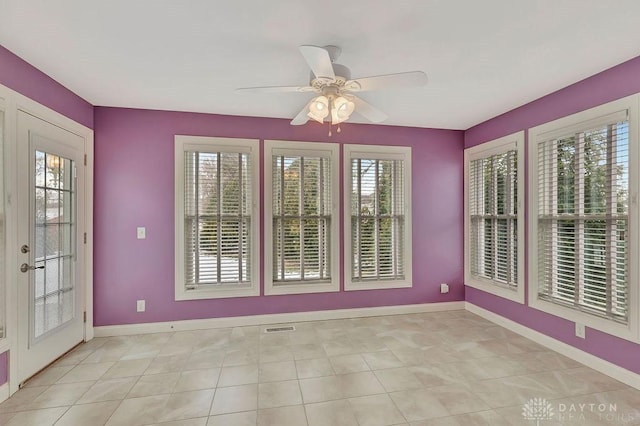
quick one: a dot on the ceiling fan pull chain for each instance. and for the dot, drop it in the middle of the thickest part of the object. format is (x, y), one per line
(329, 129)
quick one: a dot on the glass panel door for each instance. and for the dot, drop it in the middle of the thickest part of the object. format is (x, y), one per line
(54, 247)
(50, 287)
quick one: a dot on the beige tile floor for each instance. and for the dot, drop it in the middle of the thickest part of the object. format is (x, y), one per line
(446, 368)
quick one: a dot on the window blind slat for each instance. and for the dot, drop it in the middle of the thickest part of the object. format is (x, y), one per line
(377, 219)
(493, 208)
(301, 217)
(583, 181)
(217, 215)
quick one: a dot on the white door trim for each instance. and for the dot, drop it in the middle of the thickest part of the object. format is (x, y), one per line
(15, 102)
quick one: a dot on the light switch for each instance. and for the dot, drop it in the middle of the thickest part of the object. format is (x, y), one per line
(142, 232)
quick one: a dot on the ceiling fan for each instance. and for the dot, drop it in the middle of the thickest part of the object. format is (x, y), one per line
(332, 82)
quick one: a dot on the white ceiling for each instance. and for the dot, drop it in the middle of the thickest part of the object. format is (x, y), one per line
(483, 58)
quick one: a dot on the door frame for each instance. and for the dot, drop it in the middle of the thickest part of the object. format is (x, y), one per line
(14, 102)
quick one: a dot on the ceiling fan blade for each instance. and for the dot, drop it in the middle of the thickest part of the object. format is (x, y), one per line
(319, 61)
(389, 81)
(367, 110)
(302, 116)
(277, 89)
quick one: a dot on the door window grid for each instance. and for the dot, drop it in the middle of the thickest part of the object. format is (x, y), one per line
(377, 220)
(217, 219)
(493, 201)
(301, 219)
(583, 220)
(53, 298)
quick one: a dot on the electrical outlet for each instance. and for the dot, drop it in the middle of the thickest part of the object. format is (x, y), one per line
(142, 232)
(444, 288)
(580, 330)
(140, 306)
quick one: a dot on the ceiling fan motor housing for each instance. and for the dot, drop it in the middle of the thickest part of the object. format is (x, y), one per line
(343, 74)
(333, 51)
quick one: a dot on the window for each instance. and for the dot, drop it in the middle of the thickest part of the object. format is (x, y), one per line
(301, 221)
(582, 217)
(494, 219)
(377, 217)
(217, 218)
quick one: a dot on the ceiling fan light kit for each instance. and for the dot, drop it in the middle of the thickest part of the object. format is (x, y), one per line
(333, 85)
(318, 108)
(342, 109)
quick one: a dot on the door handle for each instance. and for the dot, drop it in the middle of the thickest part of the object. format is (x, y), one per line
(24, 267)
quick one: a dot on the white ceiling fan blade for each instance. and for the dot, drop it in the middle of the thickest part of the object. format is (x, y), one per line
(389, 81)
(277, 89)
(319, 61)
(302, 116)
(367, 110)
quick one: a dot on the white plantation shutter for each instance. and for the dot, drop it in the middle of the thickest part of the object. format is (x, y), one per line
(302, 208)
(583, 217)
(377, 219)
(493, 218)
(217, 218)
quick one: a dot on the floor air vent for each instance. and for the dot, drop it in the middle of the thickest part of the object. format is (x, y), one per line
(279, 329)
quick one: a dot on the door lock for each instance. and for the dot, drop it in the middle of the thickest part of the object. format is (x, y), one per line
(25, 249)
(24, 267)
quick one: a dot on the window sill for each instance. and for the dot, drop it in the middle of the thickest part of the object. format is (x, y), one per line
(376, 285)
(217, 293)
(624, 331)
(298, 288)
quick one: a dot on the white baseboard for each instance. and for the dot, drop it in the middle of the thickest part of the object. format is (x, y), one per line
(200, 324)
(4, 392)
(621, 374)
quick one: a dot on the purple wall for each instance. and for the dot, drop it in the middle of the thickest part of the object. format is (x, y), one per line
(615, 83)
(20, 76)
(134, 181)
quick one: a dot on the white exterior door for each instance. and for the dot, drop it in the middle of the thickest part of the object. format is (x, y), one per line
(50, 292)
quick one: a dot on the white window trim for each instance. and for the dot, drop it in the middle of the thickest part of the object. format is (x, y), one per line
(5, 279)
(382, 153)
(487, 149)
(211, 144)
(301, 148)
(629, 331)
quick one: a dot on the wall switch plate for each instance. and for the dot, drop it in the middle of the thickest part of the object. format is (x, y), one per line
(142, 232)
(140, 306)
(444, 288)
(580, 330)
